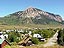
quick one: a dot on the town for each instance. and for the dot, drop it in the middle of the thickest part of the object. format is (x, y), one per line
(25, 37)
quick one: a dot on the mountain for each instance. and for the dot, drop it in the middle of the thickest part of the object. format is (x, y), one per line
(31, 16)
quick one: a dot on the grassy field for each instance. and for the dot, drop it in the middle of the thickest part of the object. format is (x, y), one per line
(2, 27)
(56, 46)
(36, 46)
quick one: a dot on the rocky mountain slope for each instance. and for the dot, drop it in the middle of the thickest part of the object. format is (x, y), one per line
(32, 16)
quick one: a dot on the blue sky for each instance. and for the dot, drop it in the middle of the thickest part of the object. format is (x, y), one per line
(11, 6)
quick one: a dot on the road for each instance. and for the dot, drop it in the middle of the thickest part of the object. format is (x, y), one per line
(52, 41)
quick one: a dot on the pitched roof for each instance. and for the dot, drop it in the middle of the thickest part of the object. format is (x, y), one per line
(1, 41)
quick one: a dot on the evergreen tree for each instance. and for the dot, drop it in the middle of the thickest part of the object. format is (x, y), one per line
(61, 37)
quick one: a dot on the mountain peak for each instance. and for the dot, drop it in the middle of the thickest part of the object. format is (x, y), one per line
(30, 9)
(37, 15)
(31, 12)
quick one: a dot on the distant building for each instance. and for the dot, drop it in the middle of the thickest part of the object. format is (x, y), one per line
(20, 31)
(6, 35)
(30, 33)
(37, 35)
(9, 30)
(1, 36)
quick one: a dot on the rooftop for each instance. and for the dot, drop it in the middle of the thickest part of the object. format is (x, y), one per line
(1, 41)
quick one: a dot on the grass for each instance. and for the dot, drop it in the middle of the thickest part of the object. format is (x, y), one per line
(40, 45)
(35, 46)
(4, 27)
(55, 46)
(41, 42)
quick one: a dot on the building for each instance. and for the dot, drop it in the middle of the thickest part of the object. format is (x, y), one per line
(9, 30)
(3, 43)
(37, 35)
(1, 36)
(6, 36)
(30, 33)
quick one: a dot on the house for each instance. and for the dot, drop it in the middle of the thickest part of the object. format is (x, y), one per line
(18, 30)
(39, 37)
(1, 35)
(35, 28)
(9, 30)
(30, 33)
(3, 43)
(6, 35)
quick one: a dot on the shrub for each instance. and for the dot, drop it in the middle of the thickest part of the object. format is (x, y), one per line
(35, 40)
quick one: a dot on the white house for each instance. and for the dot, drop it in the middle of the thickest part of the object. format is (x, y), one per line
(35, 28)
(9, 30)
(20, 30)
(30, 33)
(37, 35)
(1, 35)
(6, 35)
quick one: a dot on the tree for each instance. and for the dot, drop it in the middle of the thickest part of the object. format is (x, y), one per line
(13, 37)
(60, 37)
(35, 40)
